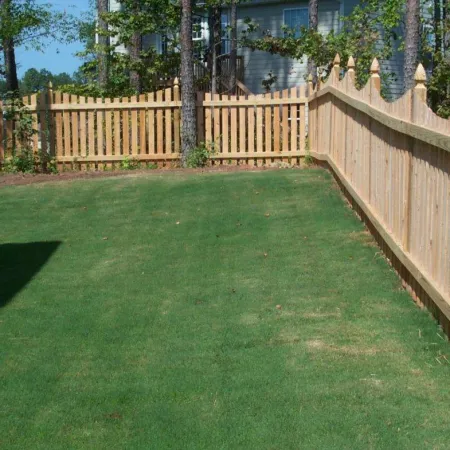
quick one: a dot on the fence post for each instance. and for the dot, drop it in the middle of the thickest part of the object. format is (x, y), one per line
(417, 96)
(50, 124)
(375, 87)
(351, 72)
(334, 82)
(336, 69)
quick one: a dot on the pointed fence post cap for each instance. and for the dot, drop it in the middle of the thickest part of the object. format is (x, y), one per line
(50, 85)
(375, 67)
(351, 63)
(337, 60)
(176, 82)
(420, 76)
(310, 78)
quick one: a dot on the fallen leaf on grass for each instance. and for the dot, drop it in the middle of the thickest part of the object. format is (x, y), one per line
(105, 238)
(265, 255)
(267, 214)
(178, 223)
(278, 307)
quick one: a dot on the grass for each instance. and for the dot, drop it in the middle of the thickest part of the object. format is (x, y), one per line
(167, 333)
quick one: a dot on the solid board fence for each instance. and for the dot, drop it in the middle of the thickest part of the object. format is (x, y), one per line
(393, 161)
(94, 134)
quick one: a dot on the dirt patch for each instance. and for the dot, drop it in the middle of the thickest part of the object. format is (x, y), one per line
(318, 345)
(22, 179)
(364, 237)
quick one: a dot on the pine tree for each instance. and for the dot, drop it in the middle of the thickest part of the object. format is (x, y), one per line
(188, 113)
(103, 43)
(412, 42)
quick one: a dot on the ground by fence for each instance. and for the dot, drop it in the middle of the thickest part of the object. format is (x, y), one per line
(393, 160)
(93, 134)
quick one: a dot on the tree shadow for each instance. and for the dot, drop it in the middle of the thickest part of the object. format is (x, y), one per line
(19, 263)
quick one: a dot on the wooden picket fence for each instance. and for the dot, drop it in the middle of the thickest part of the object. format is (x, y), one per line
(393, 161)
(96, 134)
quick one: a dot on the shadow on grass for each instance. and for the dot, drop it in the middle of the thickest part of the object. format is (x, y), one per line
(19, 263)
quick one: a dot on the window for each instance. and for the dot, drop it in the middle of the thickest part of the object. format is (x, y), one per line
(226, 46)
(197, 29)
(296, 18)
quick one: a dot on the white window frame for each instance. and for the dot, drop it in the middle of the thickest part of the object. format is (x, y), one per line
(295, 9)
(203, 30)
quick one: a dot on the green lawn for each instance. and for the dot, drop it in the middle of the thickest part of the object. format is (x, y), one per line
(167, 333)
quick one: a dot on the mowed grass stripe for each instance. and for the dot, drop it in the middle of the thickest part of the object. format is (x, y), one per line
(153, 321)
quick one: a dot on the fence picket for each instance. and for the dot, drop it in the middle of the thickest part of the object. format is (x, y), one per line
(242, 129)
(117, 131)
(83, 152)
(74, 124)
(151, 127)
(66, 128)
(108, 133)
(259, 132)
(268, 125)
(126, 150)
(142, 127)
(234, 129)
(216, 112)
(251, 131)
(294, 123)
(91, 133)
(134, 128)
(159, 125)
(169, 122)
(225, 130)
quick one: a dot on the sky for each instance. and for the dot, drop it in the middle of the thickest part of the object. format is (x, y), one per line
(56, 57)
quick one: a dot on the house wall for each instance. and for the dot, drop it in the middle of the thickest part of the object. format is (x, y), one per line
(258, 64)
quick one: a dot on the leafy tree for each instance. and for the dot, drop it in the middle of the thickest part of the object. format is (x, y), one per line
(35, 81)
(31, 24)
(436, 57)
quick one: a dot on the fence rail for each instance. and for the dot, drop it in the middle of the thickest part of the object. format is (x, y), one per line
(95, 133)
(393, 160)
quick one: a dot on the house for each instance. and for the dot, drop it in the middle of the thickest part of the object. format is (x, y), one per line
(271, 15)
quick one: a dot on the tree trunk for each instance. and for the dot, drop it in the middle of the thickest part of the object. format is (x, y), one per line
(188, 113)
(412, 41)
(438, 25)
(313, 10)
(103, 42)
(134, 49)
(9, 54)
(233, 49)
(215, 43)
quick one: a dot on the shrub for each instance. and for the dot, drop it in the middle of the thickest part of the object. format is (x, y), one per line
(200, 155)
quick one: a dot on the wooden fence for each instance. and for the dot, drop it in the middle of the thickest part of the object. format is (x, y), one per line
(95, 134)
(393, 161)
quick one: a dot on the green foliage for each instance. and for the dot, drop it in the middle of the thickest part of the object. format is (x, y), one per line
(24, 161)
(130, 163)
(436, 58)
(200, 155)
(22, 158)
(269, 81)
(28, 22)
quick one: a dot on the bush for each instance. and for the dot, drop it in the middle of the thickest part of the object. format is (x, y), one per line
(200, 155)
